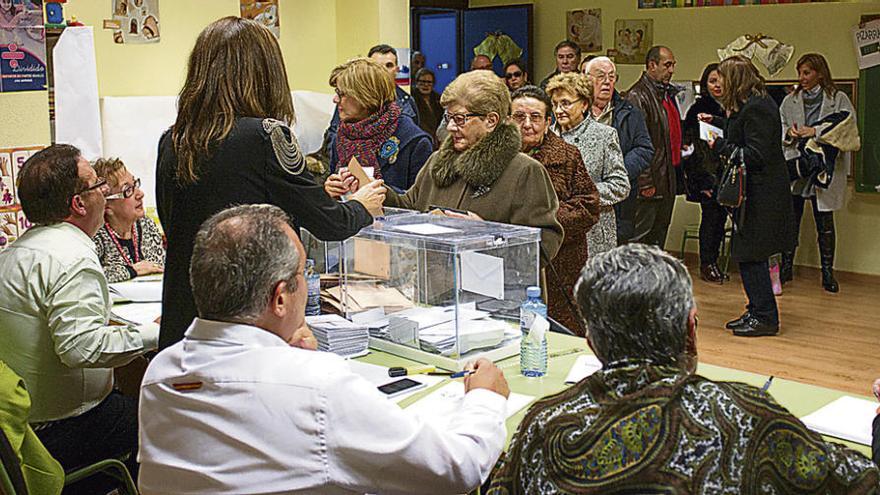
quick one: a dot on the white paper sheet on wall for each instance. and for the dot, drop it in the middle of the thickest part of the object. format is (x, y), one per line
(77, 114)
(132, 127)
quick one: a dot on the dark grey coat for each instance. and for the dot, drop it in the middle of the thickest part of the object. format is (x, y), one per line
(765, 219)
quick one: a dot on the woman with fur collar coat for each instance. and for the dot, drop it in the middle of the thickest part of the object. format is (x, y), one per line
(479, 167)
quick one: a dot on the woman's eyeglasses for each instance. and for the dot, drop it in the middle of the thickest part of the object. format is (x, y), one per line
(521, 117)
(511, 75)
(427, 82)
(460, 119)
(127, 190)
(565, 104)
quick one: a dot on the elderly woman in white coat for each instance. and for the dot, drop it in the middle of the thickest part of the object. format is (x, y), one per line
(816, 98)
(572, 97)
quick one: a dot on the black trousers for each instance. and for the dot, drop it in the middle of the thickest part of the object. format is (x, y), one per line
(712, 219)
(759, 291)
(652, 220)
(109, 429)
(821, 218)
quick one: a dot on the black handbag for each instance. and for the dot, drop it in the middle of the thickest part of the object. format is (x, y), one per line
(732, 186)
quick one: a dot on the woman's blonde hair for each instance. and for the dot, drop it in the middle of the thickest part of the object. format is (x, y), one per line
(818, 63)
(235, 70)
(110, 169)
(575, 82)
(480, 91)
(366, 81)
(740, 81)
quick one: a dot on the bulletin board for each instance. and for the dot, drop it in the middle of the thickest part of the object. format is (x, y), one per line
(12, 220)
(867, 163)
(506, 32)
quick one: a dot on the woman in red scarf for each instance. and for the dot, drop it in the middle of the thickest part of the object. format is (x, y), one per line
(372, 128)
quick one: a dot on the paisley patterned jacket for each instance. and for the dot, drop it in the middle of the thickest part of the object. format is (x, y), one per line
(635, 427)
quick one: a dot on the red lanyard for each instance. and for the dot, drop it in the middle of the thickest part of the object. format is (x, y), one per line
(134, 240)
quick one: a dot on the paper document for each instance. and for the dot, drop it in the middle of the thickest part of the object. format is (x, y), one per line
(426, 229)
(709, 132)
(847, 418)
(583, 367)
(378, 375)
(136, 313)
(135, 291)
(441, 405)
(482, 274)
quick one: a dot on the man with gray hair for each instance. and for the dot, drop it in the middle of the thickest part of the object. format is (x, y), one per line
(245, 404)
(610, 108)
(646, 423)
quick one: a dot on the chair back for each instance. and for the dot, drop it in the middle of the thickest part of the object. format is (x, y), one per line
(11, 477)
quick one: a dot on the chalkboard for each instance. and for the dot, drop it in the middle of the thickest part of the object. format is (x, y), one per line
(867, 173)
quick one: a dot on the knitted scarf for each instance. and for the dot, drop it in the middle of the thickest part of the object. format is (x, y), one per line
(363, 139)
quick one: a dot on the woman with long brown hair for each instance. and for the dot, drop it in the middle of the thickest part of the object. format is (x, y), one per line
(763, 224)
(231, 144)
(817, 111)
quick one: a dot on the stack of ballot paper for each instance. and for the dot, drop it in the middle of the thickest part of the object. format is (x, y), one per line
(337, 335)
(362, 296)
(139, 290)
(847, 418)
(472, 334)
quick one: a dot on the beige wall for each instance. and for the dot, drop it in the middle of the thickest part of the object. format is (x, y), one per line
(694, 34)
(315, 36)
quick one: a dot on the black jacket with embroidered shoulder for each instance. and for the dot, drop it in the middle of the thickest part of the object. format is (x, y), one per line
(259, 162)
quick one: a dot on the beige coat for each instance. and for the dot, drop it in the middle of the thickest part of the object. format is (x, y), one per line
(492, 179)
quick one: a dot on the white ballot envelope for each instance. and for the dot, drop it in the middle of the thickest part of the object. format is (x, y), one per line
(482, 274)
(709, 132)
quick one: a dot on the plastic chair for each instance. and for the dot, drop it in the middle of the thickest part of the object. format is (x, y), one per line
(12, 480)
(692, 231)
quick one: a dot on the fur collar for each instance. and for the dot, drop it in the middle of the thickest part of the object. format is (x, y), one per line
(481, 164)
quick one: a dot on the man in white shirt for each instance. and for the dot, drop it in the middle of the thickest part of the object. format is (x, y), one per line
(244, 404)
(54, 311)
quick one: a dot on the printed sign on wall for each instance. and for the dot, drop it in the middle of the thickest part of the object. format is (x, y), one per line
(12, 220)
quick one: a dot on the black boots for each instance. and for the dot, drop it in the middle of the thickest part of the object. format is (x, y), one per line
(827, 239)
(786, 270)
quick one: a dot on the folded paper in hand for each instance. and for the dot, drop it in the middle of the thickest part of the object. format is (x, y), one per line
(709, 132)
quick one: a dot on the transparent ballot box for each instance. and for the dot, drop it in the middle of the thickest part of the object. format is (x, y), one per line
(440, 290)
(328, 253)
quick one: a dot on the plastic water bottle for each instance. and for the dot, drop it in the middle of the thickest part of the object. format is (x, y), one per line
(533, 354)
(313, 283)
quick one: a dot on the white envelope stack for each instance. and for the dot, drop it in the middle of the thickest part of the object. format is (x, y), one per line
(337, 335)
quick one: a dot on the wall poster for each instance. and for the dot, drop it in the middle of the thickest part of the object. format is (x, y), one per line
(136, 21)
(263, 11)
(12, 220)
(22, 46)
(657, 4)
(584, 27)
(632, 40)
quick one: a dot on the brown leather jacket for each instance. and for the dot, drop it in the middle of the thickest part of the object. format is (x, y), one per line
(648, 97)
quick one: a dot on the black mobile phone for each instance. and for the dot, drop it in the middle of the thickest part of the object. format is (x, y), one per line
(401, 386)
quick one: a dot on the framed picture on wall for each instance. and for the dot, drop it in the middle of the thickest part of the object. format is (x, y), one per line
(632, 40)
(584, 27)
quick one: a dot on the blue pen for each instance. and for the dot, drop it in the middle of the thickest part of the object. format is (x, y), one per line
(462, 374)
(767, 384)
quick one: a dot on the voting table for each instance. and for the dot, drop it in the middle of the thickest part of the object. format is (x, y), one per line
(799, 398)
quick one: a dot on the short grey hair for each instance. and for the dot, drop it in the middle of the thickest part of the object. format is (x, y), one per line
(240, 255)
(596, 60)
(635, 300)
